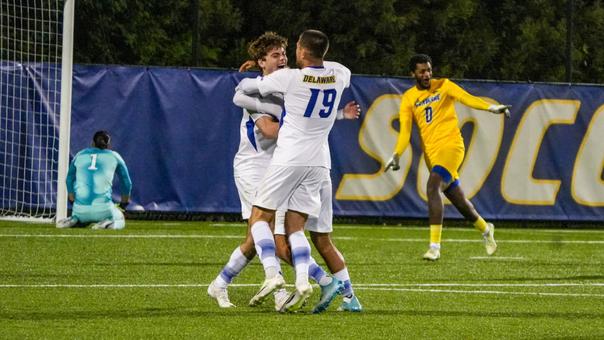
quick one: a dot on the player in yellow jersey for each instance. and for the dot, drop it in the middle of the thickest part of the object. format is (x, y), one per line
(430, 104)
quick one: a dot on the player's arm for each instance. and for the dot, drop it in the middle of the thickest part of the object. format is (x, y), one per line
(125, 181)
(268, 126)
(475, 102)
(276, 82)
(70, 180)
(404, 135)
(271, 105)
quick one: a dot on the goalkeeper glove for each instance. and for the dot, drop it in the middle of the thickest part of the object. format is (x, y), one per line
(499, 109)
(393, 163)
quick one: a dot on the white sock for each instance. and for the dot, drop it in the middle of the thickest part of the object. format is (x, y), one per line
(300, 256)
(435, 245)
(236, 263)
(265, 247)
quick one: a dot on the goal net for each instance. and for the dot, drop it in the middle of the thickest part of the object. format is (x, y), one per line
(35, 104)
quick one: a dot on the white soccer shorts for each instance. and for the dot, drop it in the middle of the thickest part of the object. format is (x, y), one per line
(321, 224)
(296, 187)
(247, 183)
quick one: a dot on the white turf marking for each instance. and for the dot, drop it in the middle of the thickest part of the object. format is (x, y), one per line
(343, 238)
(482, 292)
(356, 285)
(374, 287)
(403, 228)
(504, 258)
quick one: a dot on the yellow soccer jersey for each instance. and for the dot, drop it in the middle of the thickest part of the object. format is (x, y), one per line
(433, 111)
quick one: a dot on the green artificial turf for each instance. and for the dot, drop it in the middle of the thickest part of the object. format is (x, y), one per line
(150, 279)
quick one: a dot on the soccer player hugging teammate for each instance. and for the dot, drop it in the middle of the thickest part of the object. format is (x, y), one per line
(258, 133)
(430, 104)
(259, 127)
(301, 160)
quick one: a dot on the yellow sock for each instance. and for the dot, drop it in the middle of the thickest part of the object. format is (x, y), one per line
(435, 232)
(481, 224)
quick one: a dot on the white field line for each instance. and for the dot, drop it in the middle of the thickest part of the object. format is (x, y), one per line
(501, 258)
(373, 287)
(356, 285)
(343, 238)
(494, 292)
(426, 228)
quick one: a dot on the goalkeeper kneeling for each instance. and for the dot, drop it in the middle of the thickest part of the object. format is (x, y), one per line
(89, 181)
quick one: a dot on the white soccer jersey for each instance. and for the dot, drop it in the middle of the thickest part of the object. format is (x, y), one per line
(255, 151)
(312, 96)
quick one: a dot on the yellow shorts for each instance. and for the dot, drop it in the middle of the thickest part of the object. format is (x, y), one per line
(448, 157)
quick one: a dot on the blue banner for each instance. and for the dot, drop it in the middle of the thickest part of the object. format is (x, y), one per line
(178, 131)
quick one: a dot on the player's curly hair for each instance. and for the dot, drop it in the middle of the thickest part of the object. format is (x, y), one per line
(264, 43)
(418, 59)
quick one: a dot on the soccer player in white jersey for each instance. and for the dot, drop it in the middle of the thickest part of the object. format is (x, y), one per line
(253, 149)
(301, 159)
(258, 133)
(320, 228)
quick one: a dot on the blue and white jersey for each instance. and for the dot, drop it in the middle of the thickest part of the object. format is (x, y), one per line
(312, 96)
(90, 176)
(256, 151)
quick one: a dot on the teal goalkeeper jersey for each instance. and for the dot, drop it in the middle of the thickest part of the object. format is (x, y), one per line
(90, 176)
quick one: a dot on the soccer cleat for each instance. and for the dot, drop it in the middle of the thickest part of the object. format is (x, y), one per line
(489, 240)
(328, 293)
(68, 222)
(105, 224)
(268, 286)
(280, 296)
(221, 295)
(432, 254)
(297, 299)
(350, 305)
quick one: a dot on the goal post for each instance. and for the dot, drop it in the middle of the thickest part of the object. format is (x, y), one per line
(36, 44)
(65, 121)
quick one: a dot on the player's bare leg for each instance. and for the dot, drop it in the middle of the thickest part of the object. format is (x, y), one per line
(329, 252)
(434, 190)
(283, 251)
(456, 195)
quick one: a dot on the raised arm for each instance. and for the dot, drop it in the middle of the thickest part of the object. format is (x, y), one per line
(475, 102)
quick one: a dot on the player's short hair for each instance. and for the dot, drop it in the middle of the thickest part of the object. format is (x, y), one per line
(258, 48)
(418, 59)
(101, 139)
(315, 42)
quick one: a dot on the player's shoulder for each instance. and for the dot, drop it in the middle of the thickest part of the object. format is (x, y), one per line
(411, 92)
(86, 151)
(284, 72)
(441, 83)
(337, 67)
(115, 154)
